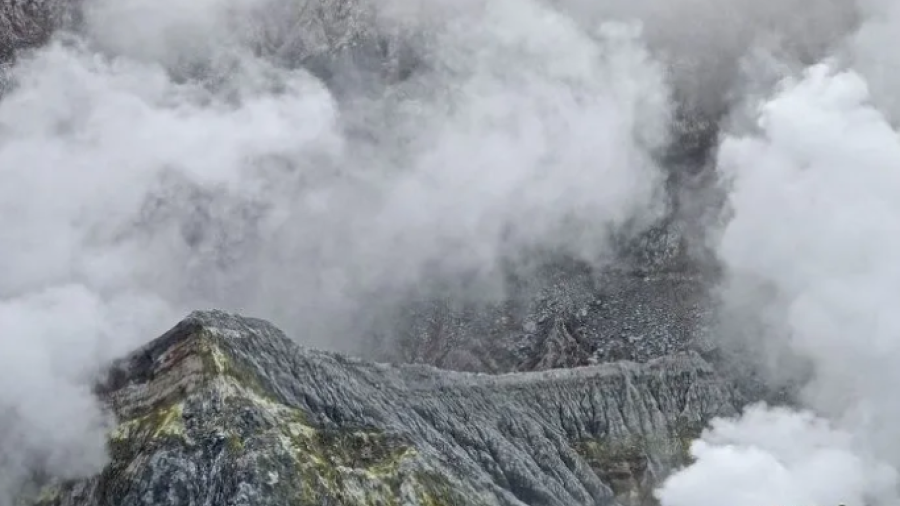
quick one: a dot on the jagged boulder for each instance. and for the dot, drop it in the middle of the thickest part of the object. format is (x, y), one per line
(225, 410)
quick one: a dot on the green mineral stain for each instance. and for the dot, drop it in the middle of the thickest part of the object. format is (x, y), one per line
(435, 490)
(235, 444)
(343, 467)
(623, 463)
(360, 468)
(684, 434)
(164, 421)
(217, 363)
(49, 495)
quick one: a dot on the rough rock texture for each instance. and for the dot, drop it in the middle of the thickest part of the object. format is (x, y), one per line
(338, 40)
(654, 297)
(224, 410)
(341, 41)
(27, 23)
(575, 319)
(655, 300)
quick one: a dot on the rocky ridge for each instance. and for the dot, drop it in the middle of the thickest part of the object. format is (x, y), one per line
(226, 410)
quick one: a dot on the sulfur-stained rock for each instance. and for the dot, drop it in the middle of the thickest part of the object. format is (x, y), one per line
(225, 410)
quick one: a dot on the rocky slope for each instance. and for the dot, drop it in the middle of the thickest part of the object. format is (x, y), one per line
(580, 319)
(655, 299)
(225, 410)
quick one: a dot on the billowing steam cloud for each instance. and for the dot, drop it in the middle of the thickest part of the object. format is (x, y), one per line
(812, 246)
(169, 156)
(303, 164)
(779, 457)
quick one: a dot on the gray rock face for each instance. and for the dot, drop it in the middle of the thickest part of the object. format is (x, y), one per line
(566, 317)
(224, 410)
(27, 23)
(654, 297)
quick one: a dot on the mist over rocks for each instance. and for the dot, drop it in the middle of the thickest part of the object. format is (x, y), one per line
(484, 186)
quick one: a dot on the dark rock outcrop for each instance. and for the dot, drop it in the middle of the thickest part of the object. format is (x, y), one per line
(567, 316)
(29, 23)
(226, 410)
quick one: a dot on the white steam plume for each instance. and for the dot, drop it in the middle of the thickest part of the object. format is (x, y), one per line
(779, 456)
(154, 164)
(811, 248)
